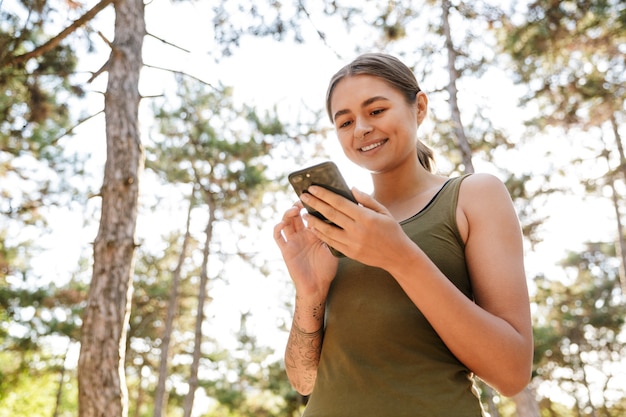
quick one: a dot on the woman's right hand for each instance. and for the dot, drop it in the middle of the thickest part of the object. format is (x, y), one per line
(312, 268)
(309, 261)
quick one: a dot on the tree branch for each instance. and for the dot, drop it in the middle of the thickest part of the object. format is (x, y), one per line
(54, 42)
(167, 43)
(321, 34)
(71, 129)
(184, 74)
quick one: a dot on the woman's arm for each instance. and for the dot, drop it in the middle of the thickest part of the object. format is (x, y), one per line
(493, 335)
(302, 354)
(312, 268)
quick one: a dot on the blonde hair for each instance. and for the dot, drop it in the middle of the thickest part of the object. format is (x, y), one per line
(395, 73)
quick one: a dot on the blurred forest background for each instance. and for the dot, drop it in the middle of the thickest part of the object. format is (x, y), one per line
(143, 154)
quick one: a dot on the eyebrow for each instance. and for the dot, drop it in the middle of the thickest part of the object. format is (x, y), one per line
(363, 105)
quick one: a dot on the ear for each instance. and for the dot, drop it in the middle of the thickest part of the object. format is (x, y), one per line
(422, 106)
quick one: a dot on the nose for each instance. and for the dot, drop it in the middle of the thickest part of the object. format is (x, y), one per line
(361, 129)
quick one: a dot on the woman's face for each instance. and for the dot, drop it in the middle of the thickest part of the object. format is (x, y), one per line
(375, 125)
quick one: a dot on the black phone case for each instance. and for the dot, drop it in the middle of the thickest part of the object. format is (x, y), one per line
(327, 175)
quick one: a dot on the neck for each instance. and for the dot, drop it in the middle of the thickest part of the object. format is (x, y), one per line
(402, 183)
(405, 191)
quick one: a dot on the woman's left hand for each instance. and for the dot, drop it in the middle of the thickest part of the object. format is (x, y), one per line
(368, 233)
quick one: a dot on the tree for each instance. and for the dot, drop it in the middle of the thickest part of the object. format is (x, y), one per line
(571, 56)
(227, 166)
(46, 117)
(578, 329)
(151, 336)
(111, 290)
(101, 378)
(172, 310)
(36, 85)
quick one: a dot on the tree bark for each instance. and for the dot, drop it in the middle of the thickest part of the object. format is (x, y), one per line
(101, 379)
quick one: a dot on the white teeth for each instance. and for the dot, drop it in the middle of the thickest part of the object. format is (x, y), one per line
(372, 146)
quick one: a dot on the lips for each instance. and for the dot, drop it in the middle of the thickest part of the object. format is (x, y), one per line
(372, 146)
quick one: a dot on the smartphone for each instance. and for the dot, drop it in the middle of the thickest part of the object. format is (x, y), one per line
(325, 175)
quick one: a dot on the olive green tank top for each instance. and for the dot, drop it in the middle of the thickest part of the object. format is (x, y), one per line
(380, 356)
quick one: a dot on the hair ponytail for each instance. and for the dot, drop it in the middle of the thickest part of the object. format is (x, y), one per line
(426, 156)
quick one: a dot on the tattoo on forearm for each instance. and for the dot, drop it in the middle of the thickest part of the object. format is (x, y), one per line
(317, 311)
(303, 355)
(304, 348)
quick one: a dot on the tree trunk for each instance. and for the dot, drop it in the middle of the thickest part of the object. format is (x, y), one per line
(620, 244)
(159, 395)
(202, 296)
(455, 112)
(139, 399)
(620, 229)
(101, 380)
(59, 395)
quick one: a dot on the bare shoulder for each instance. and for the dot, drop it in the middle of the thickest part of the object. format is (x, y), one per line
(482, 184)
(484, 202)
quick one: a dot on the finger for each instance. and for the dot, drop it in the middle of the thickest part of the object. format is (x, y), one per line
(279, 235)
(293, 215)
(327, 233)
(368, 201)
(330, 212)
(333, 205)
(290, 224)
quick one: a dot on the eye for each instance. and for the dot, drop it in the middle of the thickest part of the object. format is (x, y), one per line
(377, 111)
(344, 124)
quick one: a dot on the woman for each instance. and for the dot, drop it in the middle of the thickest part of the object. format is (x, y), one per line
(432, 287)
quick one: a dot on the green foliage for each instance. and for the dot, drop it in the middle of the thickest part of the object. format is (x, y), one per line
(578, 326)
(232, 22)
(35, 98)
(224, 153)
(9, 260)
(34, 111)
(205, 140)
(35, 320)
(152, 282)
(254, 384)
(41, 311)
(30, 384)
(244, 381)
(571, 55)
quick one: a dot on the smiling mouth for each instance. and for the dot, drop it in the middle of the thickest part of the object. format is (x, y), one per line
(373, 146)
